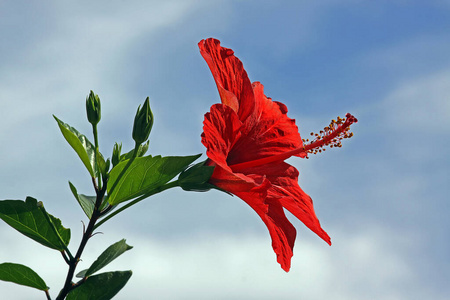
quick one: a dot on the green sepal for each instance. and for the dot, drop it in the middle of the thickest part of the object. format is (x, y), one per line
(30, 218)
(144, 175)
(111, 253)
(141, 152)
(196, 178)
(80, 143)
(103, 286)
(22, 275)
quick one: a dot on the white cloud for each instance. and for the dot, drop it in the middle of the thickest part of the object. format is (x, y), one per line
(363, 264)
(420, 106)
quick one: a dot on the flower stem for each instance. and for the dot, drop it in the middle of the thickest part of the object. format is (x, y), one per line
(94, 129)
(73, 262)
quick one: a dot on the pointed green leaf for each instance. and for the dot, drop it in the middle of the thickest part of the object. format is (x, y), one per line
(111, 253)
(22, 275)
(103, 165)
(145, 174)
(29, 218)
(82, 146)
(103, 286)
(141, 152)
(87, 203)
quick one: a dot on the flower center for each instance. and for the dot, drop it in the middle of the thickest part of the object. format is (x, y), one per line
(330, 136)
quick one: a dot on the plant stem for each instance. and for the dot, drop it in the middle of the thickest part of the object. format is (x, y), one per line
(68, 285)
(146, 195)
(94, 129)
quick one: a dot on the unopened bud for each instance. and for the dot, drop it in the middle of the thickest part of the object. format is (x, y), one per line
(143, 122)
(93, 109)
(115, 159)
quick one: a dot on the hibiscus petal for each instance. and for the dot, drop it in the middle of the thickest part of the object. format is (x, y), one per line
(232, 81)
(285, 188)
(269, 131)
(283, 234)
(253, 190)
(220, 131)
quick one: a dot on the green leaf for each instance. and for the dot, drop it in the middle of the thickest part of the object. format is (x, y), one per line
(82, 146)
(145, 174)
(103, 286)
(103, 165)
(111, 253)
(22, 275)
(87, 203)
(141, 152)
(30, 219)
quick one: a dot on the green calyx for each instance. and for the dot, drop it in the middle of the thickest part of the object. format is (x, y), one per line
(196, 178)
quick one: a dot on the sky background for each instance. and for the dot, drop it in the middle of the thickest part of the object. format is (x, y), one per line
(383, 197)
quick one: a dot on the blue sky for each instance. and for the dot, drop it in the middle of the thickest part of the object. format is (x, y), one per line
(383, 197)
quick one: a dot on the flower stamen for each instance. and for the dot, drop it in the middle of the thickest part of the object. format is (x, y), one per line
(331, 136)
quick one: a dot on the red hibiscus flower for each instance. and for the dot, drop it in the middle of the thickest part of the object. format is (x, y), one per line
(248, 137)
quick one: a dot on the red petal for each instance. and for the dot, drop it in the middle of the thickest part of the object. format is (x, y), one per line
(220, 131)
(234, 87)
(253, 190)
(269, 131)
(285, 188)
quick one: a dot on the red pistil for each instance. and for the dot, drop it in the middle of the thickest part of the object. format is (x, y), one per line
(332, 136)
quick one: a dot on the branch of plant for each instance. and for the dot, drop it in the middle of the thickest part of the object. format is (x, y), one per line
(68, 285)
(66, 259)
(47, 294)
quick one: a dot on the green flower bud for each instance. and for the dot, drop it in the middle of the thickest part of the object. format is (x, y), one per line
(93, 110)
(143, 122)
(116, 154)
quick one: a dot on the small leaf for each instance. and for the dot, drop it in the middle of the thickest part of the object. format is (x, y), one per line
(145, 174)
(103, 286)
(22, 275)
(111, 253)
(82, 146)
(29, 218)
(141, 152)
(103, 165)
(87, 203)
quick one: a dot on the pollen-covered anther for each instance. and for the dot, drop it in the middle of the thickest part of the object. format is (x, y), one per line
(332, 135)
